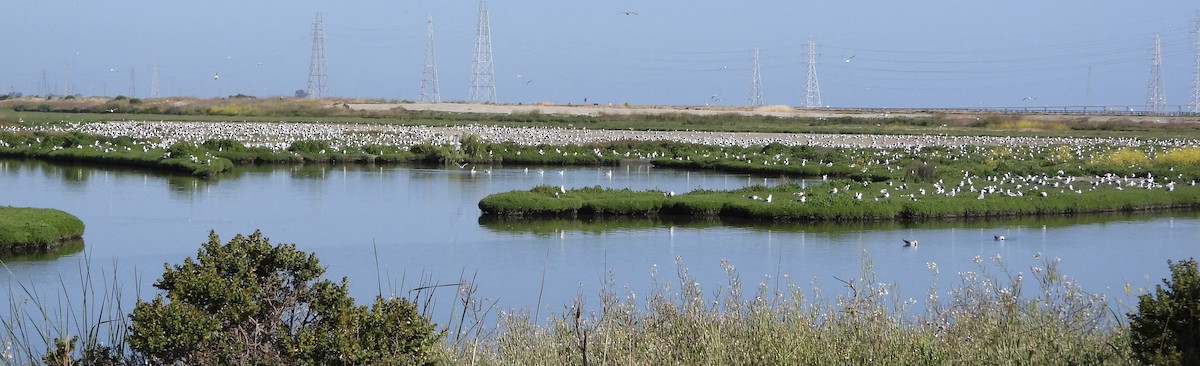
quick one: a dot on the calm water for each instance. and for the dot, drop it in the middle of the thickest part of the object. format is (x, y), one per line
(397, 228)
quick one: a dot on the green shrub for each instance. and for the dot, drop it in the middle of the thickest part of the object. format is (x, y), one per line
(182, 149)
(250, 302)
(309, 146)
(224, 145)
(1166, 328)
(472, 146)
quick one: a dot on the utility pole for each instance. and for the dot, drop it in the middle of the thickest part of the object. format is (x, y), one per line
(812, 91)
(430, 92)
(756, 98)
(483, 78)
(317, 88)
(1157, 101)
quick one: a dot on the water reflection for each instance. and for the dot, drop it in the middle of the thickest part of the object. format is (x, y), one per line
(68, 248)
(310, 171)
(517, 225)
(425, 219)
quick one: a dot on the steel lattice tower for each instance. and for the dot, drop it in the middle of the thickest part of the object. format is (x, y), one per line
(132, 84)
(154, 80)
(1196, 69)
(317, 88)
(44, 87)
(756, 98)
(430, 92)
(1156, 101)
(483, 77)
(812, 90)
(70, 89)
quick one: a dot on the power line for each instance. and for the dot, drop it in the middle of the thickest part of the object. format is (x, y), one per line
(430, 92)
(756, 98)
(483, 77)
(1157, 100)
(317, 87)
(812, 91)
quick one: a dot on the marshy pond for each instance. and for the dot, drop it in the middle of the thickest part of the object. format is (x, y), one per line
(391, 229)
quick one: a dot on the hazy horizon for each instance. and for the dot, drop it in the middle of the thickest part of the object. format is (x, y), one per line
(872, 54)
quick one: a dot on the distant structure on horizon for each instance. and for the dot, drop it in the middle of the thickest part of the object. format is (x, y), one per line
(132, 83)
(1156, 100)
(1196, 68)
(483, 76)
(430, 92)
(812, 90)
(69, 88)
(756, 98)
(317, 87)
(154, 80)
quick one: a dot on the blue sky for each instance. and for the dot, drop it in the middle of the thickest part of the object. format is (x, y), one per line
(936, 53)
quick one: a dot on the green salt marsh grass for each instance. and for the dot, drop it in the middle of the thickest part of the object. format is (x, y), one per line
(791, 202)
(33, 230)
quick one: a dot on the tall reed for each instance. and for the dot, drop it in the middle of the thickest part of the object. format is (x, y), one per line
(68, 324)
(987, 316)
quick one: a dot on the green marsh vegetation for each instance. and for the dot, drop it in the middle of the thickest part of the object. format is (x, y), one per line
(25, 230)
(542, 226)
(908, 183)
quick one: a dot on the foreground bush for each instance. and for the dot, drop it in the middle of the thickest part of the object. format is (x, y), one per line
(251, 302)
(1166, 328)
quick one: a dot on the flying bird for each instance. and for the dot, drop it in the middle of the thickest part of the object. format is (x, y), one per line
(629, 13)
(847, 59)
(216, 76)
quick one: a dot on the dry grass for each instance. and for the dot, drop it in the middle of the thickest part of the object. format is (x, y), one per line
(984, 319)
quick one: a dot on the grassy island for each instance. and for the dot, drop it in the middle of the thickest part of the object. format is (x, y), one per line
(33, 230)
(846, 200)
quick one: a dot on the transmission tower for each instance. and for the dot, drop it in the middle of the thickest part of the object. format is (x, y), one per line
(812, 91)
(430, 92)
(154, 80)
(44, 87)
(483, 78)
(317, 88)
(70, 90)
(756, 98)
(132, 84)
(1157, 101)
(1196, 69)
